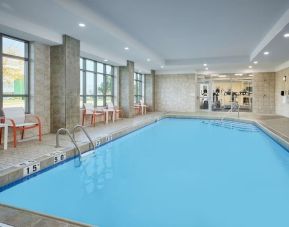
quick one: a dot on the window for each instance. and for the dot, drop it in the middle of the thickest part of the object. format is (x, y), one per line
(96, 82)
(14, 74)
(138, 87)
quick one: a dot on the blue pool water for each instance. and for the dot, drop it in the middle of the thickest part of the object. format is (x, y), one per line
(174, 173)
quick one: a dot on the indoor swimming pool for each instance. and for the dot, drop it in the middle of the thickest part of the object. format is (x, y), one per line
(173, 173)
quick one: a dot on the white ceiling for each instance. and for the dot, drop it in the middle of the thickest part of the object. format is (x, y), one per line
(179, 34)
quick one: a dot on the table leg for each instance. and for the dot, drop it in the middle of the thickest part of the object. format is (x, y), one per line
(106, 118)
(113, 116)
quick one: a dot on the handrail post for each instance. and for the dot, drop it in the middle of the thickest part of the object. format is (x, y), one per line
(85, 132)
(71, 138)
(238, 111)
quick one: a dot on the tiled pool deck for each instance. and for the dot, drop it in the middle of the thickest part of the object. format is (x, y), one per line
(42, 152)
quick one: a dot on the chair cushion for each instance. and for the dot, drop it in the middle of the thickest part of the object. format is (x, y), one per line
(25, 124)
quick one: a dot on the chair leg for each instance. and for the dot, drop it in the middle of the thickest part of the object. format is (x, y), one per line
(22, 133)
(92, 119)
(83, 119)
(14, 137)
(0, 136)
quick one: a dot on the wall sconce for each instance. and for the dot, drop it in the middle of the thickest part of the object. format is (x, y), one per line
(284, 78)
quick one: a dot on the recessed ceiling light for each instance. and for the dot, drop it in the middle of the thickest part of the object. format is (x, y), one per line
(126, 48)
(255, 62)
(222, 76)
(266, 53)
(250, 66)
(162, 66)
(205, 64)
(238, 74)
(148, 59)
(207, 68)
(82, 25)
(105, 60)
(251, 75)
(286, 35)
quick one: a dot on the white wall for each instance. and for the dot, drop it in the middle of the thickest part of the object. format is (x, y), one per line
(175, 92)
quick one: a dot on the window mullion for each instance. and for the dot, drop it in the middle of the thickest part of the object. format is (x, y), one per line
(84, 79)
(104, 87)
(95, 100)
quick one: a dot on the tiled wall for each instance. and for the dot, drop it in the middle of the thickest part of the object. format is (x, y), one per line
(282, 104)
(264, 93)
(175, 92)
(40, 83)
(65, 84)
(126, 89)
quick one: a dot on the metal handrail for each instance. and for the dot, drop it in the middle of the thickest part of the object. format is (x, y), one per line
(85, 132)
(231, 110)
(70, 136)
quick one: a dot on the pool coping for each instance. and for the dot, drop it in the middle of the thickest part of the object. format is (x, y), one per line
(35, 217)
(14, 175)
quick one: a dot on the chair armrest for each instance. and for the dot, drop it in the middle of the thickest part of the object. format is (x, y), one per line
(34, 117)
(11, 121)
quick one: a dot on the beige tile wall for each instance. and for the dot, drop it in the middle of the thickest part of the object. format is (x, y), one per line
(126, 89)
(40, 83)
(264, 93)
(175, 92)
(65, 84)
(281, 107)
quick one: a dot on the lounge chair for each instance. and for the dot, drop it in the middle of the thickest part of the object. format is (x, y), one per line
(143, 107)
(90, 110)
(16, 119)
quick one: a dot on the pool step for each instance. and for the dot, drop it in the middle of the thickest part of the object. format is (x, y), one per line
(233, 125)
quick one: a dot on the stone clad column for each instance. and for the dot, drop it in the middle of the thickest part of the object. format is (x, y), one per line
(150, 90)
(264, 93)
(40, 83)
(126, 90)
(65, 84)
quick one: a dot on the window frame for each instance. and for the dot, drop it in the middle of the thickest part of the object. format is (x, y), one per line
(95, 72)
(137, 81)
(26, 60)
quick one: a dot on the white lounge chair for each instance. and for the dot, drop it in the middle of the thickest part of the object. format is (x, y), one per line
(110, 105)
(90, 110)
(143, 107)
(16, 118)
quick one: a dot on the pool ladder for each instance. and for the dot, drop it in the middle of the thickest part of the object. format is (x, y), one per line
(72, 137)
(234, 106)
(233, 125)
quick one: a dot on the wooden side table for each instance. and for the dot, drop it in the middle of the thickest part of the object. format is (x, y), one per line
(5, 126)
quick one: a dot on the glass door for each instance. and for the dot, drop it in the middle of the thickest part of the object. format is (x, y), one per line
(203, 93)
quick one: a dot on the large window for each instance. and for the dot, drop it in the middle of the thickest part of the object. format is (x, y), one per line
(96, 82)
(14, 76)
(138, 87)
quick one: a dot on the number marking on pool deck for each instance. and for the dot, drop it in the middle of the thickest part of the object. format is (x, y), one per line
(58, 156)
(109, 138)
(30, 167)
